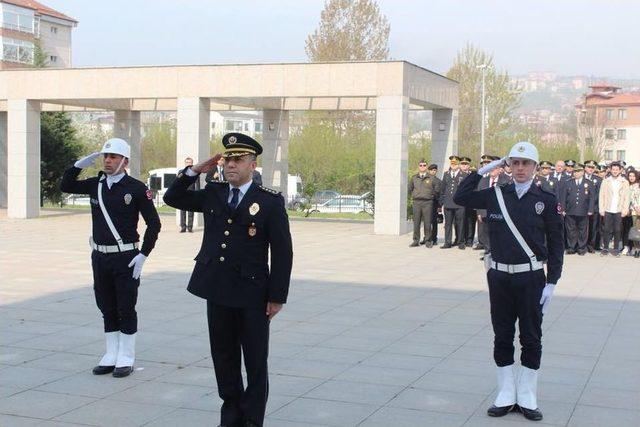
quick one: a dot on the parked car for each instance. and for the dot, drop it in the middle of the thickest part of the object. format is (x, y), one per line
(318, 198)
(345, 204)
(77, 200)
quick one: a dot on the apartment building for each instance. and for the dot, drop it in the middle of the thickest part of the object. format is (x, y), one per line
(26, 22)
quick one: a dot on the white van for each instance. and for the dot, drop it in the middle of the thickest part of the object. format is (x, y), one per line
(159, 180)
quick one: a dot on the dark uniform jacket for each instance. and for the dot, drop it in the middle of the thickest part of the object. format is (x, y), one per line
(597, 182)
(427, 188)
(125, 201)
(548, 183)
(535, 215)
(485, 182)
(449, 188)
(578, 200)
(232, 267)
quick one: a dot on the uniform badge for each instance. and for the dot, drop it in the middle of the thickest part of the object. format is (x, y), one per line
(232, 139)
(539, 207)
(559, 208)
(127, 198)
(551, 183)
(253, 209)
(252, 229)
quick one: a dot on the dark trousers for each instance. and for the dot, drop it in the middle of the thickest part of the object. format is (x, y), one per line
(236, 333)
(422, 212)
(577, 232)
(612, 227)
(186, 220)
(470, 216)
(627, 222)
(453, 218)
(593, 241)
(434, 224)
(116, 291)
(516, 297)
(483, 234)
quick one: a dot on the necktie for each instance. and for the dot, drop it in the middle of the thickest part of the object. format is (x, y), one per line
(234, 200)
(493, 182)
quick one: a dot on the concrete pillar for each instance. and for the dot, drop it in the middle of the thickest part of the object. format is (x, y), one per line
(275, 157)
(392, 154)
(192, 137)
(444, 137)
(3, 159)
(127, 126)
(23, 158)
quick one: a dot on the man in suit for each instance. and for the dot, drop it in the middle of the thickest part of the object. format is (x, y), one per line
(216, 173)
(243, 223)
(593, 240)
(186, 218)
(577, 201)
(453, 213)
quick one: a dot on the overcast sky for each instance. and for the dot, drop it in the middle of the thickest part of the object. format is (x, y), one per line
(570, 37)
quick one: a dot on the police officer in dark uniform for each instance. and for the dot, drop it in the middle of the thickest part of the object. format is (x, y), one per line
(578, 204)
(525, 235)
(470, 215)
(424, 190)
(436, 217)
(243, 223)
(545, 178)
(453, 213)
(593, 240)
(117, 201)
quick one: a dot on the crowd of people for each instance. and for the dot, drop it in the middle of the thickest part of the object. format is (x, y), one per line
(599, 204)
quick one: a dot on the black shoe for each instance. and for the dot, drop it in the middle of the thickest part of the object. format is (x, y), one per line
(582, 253)
(123, 371)
(531, 414)
(423, 241)
(182, 230)
(570, 252)
(469, 244)
(461, 246)
(500, 411)
(591, 250)
(604, 252)
(616, 254)
(478, 247)
(446, 246)
(637, 254)
(190, 230)
(102, 370)
(414, 244)
(428, 245)
(248, 423)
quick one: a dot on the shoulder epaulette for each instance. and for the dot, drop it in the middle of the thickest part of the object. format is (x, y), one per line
(268, 190)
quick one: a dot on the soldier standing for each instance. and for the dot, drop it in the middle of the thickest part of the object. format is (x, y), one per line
(593, 239)
(453, 213)
(578, 204)
(424, 190)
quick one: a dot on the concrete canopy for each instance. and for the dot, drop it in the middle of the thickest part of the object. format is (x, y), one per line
(391, 88)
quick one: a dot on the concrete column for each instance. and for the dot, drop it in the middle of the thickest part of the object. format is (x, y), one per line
(392, 154)
(3, 159)
(192, 137)
(127, 126)
(444, 137)
(275, 157)
(23, 158)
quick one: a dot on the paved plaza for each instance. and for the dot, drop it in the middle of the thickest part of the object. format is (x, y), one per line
(375, 334)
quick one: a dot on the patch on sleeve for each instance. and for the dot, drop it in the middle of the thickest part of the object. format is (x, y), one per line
(149, 195)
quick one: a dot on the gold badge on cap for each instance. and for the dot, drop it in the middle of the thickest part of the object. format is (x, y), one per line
(232, 139)
(254, 208)
(127, 198)
(252, 229)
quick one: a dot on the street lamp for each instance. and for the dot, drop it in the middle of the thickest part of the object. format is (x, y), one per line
(483, 113)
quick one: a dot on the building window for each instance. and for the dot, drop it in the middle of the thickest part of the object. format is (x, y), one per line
(608, 154)
(15, 20)
(620, 155)
(246, 127)
(622, 134)
(608, 134)
(622, 114)
(17, 50)
(233, 125)
(609, 113)
(54, 30)
(53, 59)
(258, 127)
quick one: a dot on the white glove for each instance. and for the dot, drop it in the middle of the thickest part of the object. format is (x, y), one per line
(86, 161)
(137, 262)
(491, 166)
(547, 293)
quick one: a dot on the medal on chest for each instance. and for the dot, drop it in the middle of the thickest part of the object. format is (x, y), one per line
(252, 229)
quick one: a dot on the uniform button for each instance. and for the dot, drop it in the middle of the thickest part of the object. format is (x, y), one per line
(221, 259)
(223, 246)
(226, 233)
(229, 220)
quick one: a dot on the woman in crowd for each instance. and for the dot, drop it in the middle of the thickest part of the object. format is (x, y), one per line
(634, 201)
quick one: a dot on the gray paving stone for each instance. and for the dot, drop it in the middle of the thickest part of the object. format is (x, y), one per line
(191, 375)
(400, 417)
(89, 385)
(159, 393)
(462, 383)
(186, 417)
(345, 391)
(108, 413)
(375, 375)
(438, 401)
(25, 377)
(17, 356)
(40, 404)
(325, 412)
(610, 398)
(596, 416)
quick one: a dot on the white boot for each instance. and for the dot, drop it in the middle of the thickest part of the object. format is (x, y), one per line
(109, 358)
(528, 388)
(126, 350)
(506, 387)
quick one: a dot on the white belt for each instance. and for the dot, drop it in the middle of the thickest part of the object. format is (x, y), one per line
(111, 249)
(517, 268)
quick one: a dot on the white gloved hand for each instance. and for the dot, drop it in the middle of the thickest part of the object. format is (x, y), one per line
(137, 262)
(491, 166)
(86, 161)
(547, 293)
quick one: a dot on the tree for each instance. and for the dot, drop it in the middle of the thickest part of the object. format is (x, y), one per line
(349, 30)
(59, 145)
(158, 147)
(39, 55)
(500, 101)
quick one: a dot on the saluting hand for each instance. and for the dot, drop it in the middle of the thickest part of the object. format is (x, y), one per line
(273, 308)
(207, 165)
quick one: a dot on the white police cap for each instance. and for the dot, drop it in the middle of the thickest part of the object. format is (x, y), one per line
(116, 146)
(524, 150)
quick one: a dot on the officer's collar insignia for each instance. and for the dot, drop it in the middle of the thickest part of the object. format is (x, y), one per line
(551, 183)
(232, 139)
(539, 207)
(127, 198)
(254, 208)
